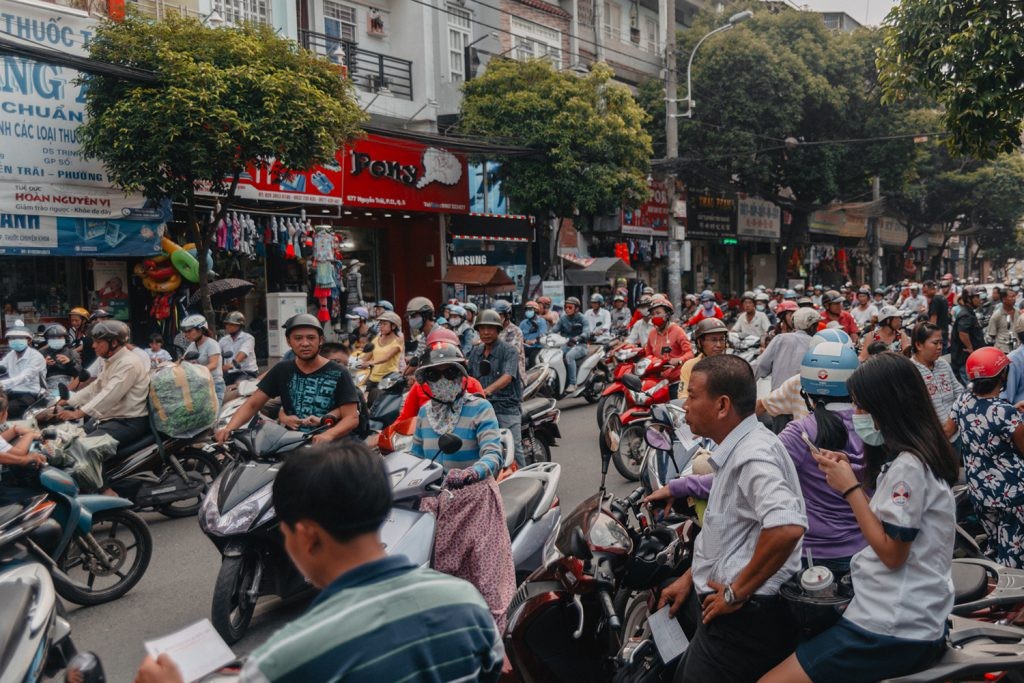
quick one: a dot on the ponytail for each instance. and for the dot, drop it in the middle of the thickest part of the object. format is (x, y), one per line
(832, 433)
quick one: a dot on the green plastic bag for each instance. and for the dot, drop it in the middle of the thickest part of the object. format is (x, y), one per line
(183, 400)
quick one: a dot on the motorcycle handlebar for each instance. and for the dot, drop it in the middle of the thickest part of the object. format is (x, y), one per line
(609, 610)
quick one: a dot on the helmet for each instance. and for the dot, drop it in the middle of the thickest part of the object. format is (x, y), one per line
(707, 295)
(747, 295)
(619, 297)
(596, 298)
(789, 294)
(806, 319)
(192, 322)
(574, 301)
(805, 302)
(488, 317)
(832, 297)
(914, 287)
(648, 290)
(55, 332)
(503, 307)
(110, 330)
(887, 312)
(385, 304)
(986, 362)
(99, 314)
(864, 290)
(391, 317)
(80, 312)
(825, 369)
(470, 307)
(662, 302)
(421, 305)
(455, 309)
(761, 297)
(359, 312)
(832, 335)
(234, 318)
(442, 353)
(973, 291)
(18, 329)
(442, 335)
(302, 320)
(879, 291)
(532, 305)
(786, 306)
(709, 326)
(645, 300)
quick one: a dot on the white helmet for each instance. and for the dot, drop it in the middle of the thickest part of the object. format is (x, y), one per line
(194, 322)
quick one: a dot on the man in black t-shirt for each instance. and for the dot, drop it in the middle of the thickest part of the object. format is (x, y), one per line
(967, 333)
(310, 387)
(938, 311)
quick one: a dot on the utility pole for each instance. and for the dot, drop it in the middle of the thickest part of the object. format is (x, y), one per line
(876, 241)
(675, 243)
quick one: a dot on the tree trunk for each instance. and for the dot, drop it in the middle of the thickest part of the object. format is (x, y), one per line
(551, 270)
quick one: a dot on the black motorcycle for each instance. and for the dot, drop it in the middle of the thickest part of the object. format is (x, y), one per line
(387, 406)
(540, 429)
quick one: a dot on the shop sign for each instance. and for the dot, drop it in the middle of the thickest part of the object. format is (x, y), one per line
(839, 223)
(42, 170)
(757, 218)
(22, 234)
(651, 217)
(470, 260)
(403, 175)
(891, 232)
(319, 185)
(710, 215)
(554, 290)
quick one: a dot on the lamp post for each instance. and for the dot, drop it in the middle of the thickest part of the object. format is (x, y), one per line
(737, 18)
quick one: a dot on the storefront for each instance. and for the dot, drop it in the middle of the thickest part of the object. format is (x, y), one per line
(836, 234)
(711, 231)
(489, 240)
(758, 229)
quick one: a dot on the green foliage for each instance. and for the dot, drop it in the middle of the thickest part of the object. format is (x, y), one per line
(592, 149)
(969, 56)
(651, 97)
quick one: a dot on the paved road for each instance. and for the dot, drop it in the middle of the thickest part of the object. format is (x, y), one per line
(178, 586)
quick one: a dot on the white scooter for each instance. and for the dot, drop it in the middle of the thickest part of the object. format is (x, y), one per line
(591, 375)
(529, 496)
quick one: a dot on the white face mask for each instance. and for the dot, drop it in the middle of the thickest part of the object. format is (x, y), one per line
(55, 344)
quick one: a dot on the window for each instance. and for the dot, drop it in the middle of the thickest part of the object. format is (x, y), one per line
(536, 42)
(651, 39)
(238, 11)
(339, 22)
(612, 20)
(458, 38)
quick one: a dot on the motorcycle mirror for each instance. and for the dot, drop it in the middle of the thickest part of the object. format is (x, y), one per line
(368, 347)
(632, 382)
(656, 438)
(84, 376)
(227, 354)
(87, 668)
(62, 390)
(3, 371)
(191, 355)
(578, 545)
(449, 443)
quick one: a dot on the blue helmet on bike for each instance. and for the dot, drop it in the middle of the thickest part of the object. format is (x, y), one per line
(825, 369)
(832, 334)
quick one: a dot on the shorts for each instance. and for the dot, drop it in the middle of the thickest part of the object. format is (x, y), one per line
(848, 653)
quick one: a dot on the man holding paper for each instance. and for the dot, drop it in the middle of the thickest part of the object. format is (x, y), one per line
(377, 618)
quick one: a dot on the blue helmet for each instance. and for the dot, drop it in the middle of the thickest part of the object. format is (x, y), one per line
(825, 369)
(832, 334)
(789, 294)
(707, 295)
(455, 309)
(385, 304)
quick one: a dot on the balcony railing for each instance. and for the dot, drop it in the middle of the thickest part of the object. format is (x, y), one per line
(370, 71)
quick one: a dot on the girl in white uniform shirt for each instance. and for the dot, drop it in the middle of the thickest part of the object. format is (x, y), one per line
(903, 592)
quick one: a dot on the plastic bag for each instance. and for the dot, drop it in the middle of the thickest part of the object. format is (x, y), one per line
(183, 400)
(82, 457)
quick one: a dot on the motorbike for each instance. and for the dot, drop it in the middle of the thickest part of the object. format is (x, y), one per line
(563, 623)
(35, 637)
(591, 376)
(540, 429)
(391, 393)
(631, 423)
(94, 546)
(615, 397)
(748, 348)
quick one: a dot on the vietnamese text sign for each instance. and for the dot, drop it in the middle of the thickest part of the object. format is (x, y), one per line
(757, 218)
(22, 234)
(840, 223)
(651, 217)
(710, 215)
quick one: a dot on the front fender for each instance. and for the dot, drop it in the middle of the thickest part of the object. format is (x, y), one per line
(614, 388)
(91, 504)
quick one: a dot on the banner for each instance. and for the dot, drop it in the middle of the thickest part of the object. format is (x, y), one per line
(403, 175)
(650, 218)
(839, 223)
(50, 236)
(710, 215)
(758, 218)
(319, 185)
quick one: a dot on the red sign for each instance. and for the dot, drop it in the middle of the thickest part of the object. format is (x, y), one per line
(650, 218)
(319, 185)
(386, 173)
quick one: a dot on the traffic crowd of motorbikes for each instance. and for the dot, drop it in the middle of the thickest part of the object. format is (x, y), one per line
(875, 531)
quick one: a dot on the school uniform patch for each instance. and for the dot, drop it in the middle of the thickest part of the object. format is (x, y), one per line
(901, 493)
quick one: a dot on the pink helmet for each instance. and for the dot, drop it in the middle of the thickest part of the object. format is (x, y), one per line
(786, 306)
(442, 335)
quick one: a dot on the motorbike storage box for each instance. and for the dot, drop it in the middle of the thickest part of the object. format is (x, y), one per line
(183, 400)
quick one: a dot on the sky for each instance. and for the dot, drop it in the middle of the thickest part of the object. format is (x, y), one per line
(870, 12)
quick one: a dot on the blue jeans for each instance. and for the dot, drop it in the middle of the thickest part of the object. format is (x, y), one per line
(513, 422)
(219, 388)
(573, 354)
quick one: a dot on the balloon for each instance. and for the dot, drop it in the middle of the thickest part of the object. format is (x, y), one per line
(169, 285)
(186, 264)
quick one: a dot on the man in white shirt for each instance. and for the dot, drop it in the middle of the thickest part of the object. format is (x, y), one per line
(599, 320)
(751, 322)
(25, 380)
(864, 312)
(242, 349)
(915, 303)
(641, 329)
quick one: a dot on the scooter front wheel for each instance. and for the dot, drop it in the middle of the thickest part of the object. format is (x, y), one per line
(536, 449)
(124, 539)
(608, 405)
(233, 605)
(199, 463)
(629, 456)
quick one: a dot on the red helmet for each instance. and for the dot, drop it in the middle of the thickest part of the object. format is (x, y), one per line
(786, 306)
(986, 362)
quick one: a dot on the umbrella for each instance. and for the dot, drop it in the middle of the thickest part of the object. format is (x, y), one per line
(222, 291)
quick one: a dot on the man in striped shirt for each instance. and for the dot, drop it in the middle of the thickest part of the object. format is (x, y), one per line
(377, 618)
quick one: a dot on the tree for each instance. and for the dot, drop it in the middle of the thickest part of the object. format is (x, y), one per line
(969, 56)
(996, 206)
(592, 150)
(230, 98)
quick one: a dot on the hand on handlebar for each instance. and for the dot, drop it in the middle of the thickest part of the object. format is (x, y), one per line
(289, 421)
(222, 435)
(456, 479)
(36, 460)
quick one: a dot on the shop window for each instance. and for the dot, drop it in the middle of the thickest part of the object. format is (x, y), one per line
(458, 38)
(340, 21)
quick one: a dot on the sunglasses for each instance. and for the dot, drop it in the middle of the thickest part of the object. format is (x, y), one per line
(434, 374)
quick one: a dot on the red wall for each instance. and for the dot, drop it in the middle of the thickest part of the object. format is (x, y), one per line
(406, 247)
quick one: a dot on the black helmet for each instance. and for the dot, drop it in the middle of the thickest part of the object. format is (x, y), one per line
(302, 320)
(111, 330)
(99, 314)
(55, 332)
(442, 354)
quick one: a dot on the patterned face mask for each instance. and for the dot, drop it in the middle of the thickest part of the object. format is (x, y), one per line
(445, 390)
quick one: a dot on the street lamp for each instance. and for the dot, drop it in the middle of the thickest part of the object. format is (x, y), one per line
(467, 62)
(737, 18)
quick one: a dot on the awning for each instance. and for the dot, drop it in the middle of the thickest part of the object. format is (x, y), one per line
(480, 279)
(595, 271)
(475, 226)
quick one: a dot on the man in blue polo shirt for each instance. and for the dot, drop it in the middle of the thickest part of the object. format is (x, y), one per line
(377, 618)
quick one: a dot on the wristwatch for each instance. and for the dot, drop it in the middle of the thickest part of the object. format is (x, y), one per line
(730, 597)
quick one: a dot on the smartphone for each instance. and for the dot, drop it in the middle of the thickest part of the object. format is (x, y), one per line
(810, 444)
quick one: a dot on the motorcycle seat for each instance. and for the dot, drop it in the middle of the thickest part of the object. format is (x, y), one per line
(536, 406)
(970, 582)
(133, 447)
(9, 512)
(15, 599)
(520, 496)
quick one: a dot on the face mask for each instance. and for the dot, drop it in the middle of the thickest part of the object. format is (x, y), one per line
(55, 344)
(708, 305)
(759, 307)
(18, 345)
(454, 320)
(658, 321)
(864, 425)
(644, 311)
(530, 313)
(415, 322)
(445, 390)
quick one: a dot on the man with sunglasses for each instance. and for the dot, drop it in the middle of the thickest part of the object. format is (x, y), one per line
(496, 364)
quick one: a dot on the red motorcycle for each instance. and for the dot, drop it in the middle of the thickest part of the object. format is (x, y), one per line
(615, 398)
(620, 361)
(628, 426)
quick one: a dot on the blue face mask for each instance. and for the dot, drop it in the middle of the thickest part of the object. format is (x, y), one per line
(55, 344)
(530, 313)
(415, 322)
(18, 345)
(865, 427)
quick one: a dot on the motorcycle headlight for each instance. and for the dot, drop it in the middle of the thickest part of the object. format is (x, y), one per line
(208, 512)
(641, 366)
(242, 516)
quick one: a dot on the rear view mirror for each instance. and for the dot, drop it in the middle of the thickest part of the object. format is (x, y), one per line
(449, 444)
(191, 356)
(62, 390)
(632, 382)
(656, 438)
(227, 354)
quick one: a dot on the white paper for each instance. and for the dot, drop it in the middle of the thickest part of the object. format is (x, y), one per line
(198, 650)
(668, 635)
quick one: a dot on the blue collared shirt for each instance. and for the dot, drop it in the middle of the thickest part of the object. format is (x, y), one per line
(1014, 389)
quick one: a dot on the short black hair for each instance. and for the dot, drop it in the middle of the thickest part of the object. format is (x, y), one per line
(729, 375)
(342, 486)
(156, 337)
(877, 347)
(327, 348)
